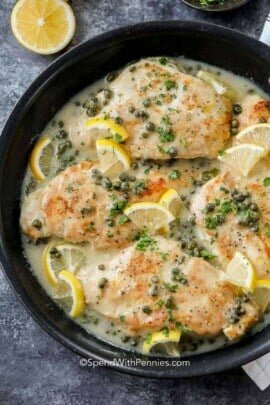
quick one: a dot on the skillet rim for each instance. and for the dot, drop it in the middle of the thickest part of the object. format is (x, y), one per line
(224, 359)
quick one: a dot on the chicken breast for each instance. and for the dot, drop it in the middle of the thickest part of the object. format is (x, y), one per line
(78, 207)
(166, 113)
(227, 226)
(255, 110)
(152, 284)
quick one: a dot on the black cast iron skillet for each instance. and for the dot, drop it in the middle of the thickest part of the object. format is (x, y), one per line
(62, 79)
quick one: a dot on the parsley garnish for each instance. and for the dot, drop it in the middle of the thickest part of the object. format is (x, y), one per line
(170, 84)
(266, 181)
(175, 174)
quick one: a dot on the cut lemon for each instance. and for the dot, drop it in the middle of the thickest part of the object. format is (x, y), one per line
(220, 86)
(41, 26)
(242, 158)
(168, 339)
(103, 128)
(262, 294)
(172, 201)
(151, 215)
(257, 135)
(241, 273)
(75, 291)
(58, 257)
(112, 157)
(41, 159)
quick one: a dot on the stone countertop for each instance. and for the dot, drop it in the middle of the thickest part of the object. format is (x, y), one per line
(34, 367)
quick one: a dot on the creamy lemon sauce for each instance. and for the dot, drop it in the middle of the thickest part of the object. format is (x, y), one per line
(72, 112)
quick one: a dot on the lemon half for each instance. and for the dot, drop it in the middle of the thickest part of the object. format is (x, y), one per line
(242, 158)
(262, 294)
(41, 159)
(171, 201)
(58, 257)
(151, 215)
(43, 26)
(241, 273)
(75, 289)
(103, 127)
(112, 157)
(173, 336)
(258, 134)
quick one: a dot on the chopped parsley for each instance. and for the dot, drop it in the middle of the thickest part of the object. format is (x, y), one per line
(144, 242)
(123, 219)
(170, 84)
(165, 135)
(117, 207)
(267, 233)
(118, 138)
(175, 174)
(122, 318)
(171, 287)
(207, 255)
(163, 60)
(266, 181)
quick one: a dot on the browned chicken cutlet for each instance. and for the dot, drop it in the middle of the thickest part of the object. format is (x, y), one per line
(189, 292)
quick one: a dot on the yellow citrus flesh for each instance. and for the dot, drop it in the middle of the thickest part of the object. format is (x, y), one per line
(258, 134)
(66, 257)
(76, 292)
(103, 126)
(172, 201)
(157, 338)
(40, 159)
(242, 158)
(241, 273)
(151, 215)
(43, 26)
(262, 294)
(112, 157)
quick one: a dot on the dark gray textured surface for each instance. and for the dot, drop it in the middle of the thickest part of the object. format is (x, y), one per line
(34, 368)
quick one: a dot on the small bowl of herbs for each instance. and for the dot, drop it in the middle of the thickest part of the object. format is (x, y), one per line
(215, 5)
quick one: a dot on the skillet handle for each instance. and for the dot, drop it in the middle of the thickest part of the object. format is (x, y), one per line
(265, 35)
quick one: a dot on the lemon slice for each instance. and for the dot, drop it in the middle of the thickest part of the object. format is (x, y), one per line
(112, 157)
(262, 294)
(75, 291)
(241, 273)
(41, 159)
(220, 86)
(172, 201)
(242, 157)
(257, 135)
(151, 215)
(41, 26)
(169, 340)
(107, 127)
(58, 257)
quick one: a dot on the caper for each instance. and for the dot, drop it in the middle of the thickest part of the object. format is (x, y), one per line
(92, 111)
(146, 309)
(131, 109)
(234, 131)
(117, 185)
(172, 151)
(235, 123)
(210, 207)
(133, 342)
(37, 223)
(110, 221)
(62, 134)
(153, 291)
(147, 102)
(106, 183)
(60, 124)
(254, 207)
(234, 192)
(55, 252)
(119, 120)
(150, 126)
(102, 282)
(145, 135)
(134, 165)
(111, 77)
(108, 93)
(124, 176)
(237, 109)
(125, 338)
(240, 197)
(77, 103)
(125, 186)
(101, 267)
(155, 279)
